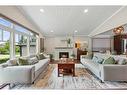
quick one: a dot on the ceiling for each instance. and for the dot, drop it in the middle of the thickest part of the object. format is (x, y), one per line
(64, 20)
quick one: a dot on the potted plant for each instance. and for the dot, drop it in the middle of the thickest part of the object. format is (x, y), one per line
(51, 57)
(72, 56)
(68, 42)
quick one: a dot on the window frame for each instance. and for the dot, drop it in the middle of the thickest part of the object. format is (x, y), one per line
(13, 32)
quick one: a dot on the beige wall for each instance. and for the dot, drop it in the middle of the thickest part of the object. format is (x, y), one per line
(52, 42)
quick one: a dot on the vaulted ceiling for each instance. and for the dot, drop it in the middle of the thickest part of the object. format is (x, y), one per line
(64, 20)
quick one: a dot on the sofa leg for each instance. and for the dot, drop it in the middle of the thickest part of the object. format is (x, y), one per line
(101, 81)
(33, 82)
(11, 85)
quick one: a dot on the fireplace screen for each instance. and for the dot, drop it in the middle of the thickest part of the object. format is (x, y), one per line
(63, 55)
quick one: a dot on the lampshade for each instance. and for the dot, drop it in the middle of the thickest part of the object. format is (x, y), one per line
(77, 45)
(118, 30)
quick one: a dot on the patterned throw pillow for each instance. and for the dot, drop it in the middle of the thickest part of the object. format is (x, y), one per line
(12, 62)
(110, 60)
(33, 60)
(40, 56)
(100, 60)
(122, 62)
(94, 59)
(23, 61)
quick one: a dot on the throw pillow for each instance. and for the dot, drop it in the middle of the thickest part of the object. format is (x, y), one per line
(38, 57)
(41, 56)
(12, 62)
(89, 55)
(3, 65)
(100, 60)
(110, 60)
(122, 62)
(94, 59)
(33, 60)
(23, 61)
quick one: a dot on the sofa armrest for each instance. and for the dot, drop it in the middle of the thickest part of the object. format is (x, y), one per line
(113, 72)
(17, 74)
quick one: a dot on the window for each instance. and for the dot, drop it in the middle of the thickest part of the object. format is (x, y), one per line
(5, 48)
(32, 45)
(21, 29)
(17, 46)
(6, 35)
(0, 34)
(21, 43)
(5, 22)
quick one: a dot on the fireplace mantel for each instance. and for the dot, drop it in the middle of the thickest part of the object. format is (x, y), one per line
(63, 47)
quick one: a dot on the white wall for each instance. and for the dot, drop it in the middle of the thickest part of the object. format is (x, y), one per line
(14, 13)
(52, 42)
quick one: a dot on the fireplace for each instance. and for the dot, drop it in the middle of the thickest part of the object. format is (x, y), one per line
(63, 54)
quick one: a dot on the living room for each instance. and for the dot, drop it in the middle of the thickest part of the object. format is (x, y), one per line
(63, 47)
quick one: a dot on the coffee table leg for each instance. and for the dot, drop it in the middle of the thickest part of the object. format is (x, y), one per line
(58, 72)
(74, 71)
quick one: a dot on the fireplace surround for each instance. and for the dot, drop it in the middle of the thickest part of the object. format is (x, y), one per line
(67, 51)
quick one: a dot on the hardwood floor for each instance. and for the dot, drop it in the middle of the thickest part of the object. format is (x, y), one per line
(82, 80)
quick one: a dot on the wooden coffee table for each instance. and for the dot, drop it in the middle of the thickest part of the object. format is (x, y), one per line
(66, 68)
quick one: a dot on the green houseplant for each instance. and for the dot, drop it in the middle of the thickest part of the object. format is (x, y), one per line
(68, 42)
(51, 57)
(73, 56)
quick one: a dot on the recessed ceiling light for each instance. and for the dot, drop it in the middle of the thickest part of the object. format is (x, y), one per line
(85, 10)
(75, 31)
(42, 10)
(51, 31)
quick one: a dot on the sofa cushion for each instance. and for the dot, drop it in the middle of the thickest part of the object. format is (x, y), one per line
(110, 60)
(23, 61)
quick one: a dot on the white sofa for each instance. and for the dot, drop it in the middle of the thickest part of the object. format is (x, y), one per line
(22, 74)
(106, 72)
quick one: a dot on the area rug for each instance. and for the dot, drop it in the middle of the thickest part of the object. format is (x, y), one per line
(83, 80)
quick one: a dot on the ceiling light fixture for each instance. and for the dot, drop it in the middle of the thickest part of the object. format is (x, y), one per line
(42, 10)
(85, 10)
(118, 30)
(51, 31)
(75, 31)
